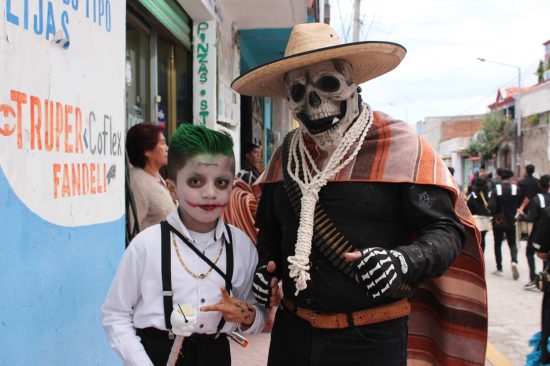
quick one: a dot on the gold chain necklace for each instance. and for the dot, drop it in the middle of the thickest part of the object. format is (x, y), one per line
(194, 275)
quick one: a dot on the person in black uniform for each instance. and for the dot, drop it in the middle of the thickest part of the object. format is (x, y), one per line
(530, 187)
(504, 200)
(478, 203)
(535, 212)
(529, 184)
(541, 242)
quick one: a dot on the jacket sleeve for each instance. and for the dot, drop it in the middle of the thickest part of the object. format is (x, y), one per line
(533, 209)
(269, 234)
(541, 238)
(439, 233)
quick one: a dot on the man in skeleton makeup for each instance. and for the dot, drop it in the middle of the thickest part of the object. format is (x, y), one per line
(361, 221)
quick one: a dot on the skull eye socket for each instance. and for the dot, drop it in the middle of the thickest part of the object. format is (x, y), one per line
(328, 84)
(297, 92)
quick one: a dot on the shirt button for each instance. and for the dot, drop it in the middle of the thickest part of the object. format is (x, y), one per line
(201, 326)
(203, 300)
(308, 301)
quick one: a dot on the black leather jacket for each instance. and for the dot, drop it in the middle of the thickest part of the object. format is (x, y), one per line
(417, 219)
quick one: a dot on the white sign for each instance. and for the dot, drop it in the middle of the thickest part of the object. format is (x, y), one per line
(62, 107)
(204, 73)
(228, 70)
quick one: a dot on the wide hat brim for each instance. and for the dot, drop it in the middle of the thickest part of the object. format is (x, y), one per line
(369, 60)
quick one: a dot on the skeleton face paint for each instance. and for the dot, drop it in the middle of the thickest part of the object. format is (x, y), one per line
(323, 97)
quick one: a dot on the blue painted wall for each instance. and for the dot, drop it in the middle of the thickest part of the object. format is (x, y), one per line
(53, 280)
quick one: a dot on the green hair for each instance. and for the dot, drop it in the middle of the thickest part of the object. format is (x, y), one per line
(191, 140)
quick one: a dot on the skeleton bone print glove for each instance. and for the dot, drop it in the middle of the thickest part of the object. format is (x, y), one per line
(381, 270)
(262, 285)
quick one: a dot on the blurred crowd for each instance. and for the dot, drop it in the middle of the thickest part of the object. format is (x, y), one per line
(517, 210)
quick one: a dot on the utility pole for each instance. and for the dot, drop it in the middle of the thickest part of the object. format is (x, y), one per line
(356, 20)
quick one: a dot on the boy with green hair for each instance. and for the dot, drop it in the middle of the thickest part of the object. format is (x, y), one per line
(192, 269)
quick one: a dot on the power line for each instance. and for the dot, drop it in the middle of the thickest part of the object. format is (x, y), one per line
(342, 21)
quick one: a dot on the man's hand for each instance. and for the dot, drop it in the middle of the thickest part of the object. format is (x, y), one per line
(233, 310)
(266, 285)
(381, 270)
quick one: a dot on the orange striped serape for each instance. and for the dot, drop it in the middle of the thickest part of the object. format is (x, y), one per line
(448, 321)
(242, 209)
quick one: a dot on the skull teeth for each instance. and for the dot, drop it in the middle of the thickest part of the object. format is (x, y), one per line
(335, 120)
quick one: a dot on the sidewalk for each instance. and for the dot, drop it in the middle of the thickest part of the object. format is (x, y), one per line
(514, 316)
(514, 313)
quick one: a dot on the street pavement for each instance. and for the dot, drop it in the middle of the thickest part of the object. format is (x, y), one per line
(514, 315)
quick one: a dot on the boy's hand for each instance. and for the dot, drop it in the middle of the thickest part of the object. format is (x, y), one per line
(266, 285)
(233, 310)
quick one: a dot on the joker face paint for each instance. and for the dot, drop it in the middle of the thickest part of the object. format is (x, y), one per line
(203, 188)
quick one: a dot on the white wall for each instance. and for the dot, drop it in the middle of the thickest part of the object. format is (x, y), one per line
(536, 101)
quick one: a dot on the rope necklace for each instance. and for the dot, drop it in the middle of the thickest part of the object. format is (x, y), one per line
(194, 275)
(312, 184)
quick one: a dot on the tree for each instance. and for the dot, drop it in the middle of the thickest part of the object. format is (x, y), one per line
(495, 129)
(543, 67)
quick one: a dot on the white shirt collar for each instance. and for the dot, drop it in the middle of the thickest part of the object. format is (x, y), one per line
(174, 219)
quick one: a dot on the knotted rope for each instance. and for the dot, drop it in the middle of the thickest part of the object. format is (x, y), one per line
(311, 184)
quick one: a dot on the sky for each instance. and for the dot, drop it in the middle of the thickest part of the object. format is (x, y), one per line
(440, 75)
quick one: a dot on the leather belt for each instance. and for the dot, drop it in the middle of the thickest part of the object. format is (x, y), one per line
(378, 314)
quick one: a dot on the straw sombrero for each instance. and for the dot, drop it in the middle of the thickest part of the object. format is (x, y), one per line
(315, 42)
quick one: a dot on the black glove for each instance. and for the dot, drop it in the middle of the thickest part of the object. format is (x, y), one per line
(382, 271)
(261, 286)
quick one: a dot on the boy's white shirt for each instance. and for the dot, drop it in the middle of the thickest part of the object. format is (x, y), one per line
(135, 297)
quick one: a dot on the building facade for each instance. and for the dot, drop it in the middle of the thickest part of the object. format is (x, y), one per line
(62, 126)
(450, 137)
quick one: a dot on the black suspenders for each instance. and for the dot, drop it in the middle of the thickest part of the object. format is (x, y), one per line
(166, 273)
(167, 293)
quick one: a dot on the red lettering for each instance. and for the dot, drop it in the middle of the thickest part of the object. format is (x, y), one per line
(56, 169)
(76, 179)
(58, 123)
(104, 177)
(36, 122)
(92, 179)
(48, 125)
(66, 187)
(78, 131)
(19, 98)
(68, 128)
(85, 179)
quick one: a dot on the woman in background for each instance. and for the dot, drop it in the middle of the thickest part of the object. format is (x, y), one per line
(148, 153)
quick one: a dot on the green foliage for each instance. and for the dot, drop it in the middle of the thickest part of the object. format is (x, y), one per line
(534, 120)
(495, 129)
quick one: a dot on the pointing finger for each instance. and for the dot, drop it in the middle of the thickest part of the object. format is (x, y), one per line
(211, 308)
